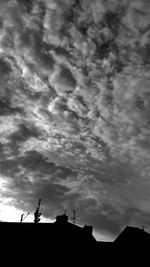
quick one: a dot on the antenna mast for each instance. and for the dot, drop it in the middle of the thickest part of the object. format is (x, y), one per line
(37, 214)
(23, 216)
(74, 219)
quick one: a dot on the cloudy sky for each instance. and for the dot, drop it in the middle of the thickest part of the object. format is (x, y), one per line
(75, 111)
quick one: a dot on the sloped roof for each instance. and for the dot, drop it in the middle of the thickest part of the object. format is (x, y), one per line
(132, 235)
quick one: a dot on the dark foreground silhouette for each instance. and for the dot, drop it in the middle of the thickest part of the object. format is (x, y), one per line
(64, 243)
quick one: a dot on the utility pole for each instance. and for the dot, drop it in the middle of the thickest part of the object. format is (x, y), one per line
(37, 214)
(74, 219)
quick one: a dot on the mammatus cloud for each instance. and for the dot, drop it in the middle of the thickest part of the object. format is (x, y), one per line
(74, 109)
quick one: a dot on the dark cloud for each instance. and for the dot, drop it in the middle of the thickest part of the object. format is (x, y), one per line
(4, 68)
(64, 81)
(6, 109)
(28, 4)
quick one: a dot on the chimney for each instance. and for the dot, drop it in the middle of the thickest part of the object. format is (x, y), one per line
(62, 219)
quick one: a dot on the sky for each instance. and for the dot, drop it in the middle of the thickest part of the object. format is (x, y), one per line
(75, 111)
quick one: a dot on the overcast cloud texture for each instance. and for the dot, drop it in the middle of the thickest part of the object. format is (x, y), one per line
(75, 109)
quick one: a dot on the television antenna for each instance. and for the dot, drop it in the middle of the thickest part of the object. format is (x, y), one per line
(23, 216)
(74, 219)
(37, 214)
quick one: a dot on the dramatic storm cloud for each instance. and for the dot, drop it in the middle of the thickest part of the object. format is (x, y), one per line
(75, 110)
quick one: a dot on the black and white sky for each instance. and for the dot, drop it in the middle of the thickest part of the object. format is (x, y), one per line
(75, 111)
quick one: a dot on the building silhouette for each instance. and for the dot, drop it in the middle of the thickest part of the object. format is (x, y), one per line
(65, 243)
(47, 239)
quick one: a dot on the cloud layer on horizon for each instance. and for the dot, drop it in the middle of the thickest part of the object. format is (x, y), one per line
(74, 109)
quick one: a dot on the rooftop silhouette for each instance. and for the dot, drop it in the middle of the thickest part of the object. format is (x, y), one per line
(61, 240)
